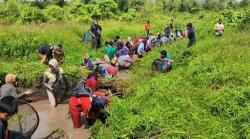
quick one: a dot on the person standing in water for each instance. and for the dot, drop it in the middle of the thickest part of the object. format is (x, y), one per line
(54, 82)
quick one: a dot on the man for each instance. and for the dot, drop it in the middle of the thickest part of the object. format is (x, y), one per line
(168, 59)
(191, 35)
(45, 53)
(110, 52)
(141, 49)
(96, 30)
(147, 27)
(8, 108)
(219, 28)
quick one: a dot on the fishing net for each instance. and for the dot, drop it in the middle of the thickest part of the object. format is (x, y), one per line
(159, 65)
(25, 121)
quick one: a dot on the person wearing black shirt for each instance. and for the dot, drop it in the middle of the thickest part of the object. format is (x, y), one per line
(96, 30)
(191, 35)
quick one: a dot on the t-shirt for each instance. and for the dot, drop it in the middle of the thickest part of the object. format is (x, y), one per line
(110, 51)
(141, 49)
(122, 52)
(46, 50)
(147, 26)
(168, 58)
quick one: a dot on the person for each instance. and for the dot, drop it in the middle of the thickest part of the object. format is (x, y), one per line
(106, 69)
(8, 108)
(178, 34)
(54, 82)
(191, 35)
(122, 50)
(141, 50)
(96, 30)
(8, 89)
(124, 62)
(147, 27)
(87, 62)
(92, 81)
(169, 34)
(45, 53)
(171, 25)
(168, 59)
(83, 102)
(219, 28)
(110, 52)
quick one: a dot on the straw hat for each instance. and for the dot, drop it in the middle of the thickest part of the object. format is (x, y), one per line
(98, 61)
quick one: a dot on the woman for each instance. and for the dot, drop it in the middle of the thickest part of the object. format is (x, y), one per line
(53, 80)
(8, 89)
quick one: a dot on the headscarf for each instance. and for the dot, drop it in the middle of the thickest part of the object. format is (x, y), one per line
(10, 78)
(54, 63)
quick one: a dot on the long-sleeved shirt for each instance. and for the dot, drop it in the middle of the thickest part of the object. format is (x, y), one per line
(141, 50)
(9, 90)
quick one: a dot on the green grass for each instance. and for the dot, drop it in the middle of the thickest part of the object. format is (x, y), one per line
(206, 95)
(183, 103)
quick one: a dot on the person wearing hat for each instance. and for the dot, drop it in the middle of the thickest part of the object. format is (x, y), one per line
(8, 89)
(53, 80)
(45, 53)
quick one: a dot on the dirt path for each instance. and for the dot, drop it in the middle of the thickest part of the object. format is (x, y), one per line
(56, 118)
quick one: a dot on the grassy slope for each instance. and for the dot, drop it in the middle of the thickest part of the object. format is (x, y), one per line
(183, 103)
(29, 69)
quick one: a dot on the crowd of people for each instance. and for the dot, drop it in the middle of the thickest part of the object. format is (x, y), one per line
(118, 54)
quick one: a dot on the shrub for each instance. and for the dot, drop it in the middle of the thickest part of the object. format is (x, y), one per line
(54, 13)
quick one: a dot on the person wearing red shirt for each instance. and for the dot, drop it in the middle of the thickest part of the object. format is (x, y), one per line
(92, 81)
(78, 105)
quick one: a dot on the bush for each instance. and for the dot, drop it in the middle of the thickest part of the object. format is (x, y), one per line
(9, 11)
(54, 13)
(107, 8)
(31, 14)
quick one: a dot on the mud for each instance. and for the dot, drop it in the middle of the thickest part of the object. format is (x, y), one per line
(52, 119)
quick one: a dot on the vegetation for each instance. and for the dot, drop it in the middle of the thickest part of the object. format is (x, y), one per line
(207, 93)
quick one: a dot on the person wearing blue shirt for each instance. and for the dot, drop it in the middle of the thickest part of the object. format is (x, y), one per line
(168, 60)
(87, 62)
(141, 50)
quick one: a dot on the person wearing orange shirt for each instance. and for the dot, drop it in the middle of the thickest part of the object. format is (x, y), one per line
(147, 27)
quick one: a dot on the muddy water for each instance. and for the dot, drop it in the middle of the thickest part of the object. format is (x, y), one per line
(56, 118)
